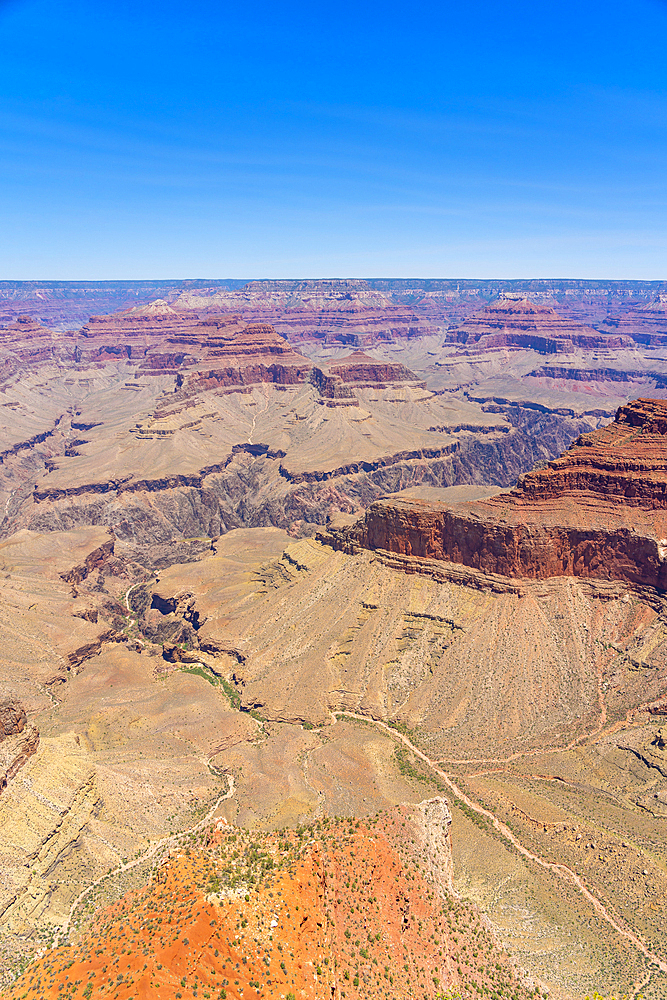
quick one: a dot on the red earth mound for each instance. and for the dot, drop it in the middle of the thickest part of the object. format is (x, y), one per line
(343, 909)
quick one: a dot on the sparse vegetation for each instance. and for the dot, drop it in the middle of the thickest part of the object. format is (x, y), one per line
(235, 895)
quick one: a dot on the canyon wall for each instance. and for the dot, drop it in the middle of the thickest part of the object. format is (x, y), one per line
(600, 510)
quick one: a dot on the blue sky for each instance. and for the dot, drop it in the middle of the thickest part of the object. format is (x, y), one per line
(167, 140)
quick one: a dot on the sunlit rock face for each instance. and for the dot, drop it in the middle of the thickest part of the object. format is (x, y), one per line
(600, 510)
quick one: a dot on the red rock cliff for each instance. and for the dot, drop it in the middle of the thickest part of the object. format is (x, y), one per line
(600, 510)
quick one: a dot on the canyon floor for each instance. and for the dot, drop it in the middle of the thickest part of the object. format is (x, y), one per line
(186, 657)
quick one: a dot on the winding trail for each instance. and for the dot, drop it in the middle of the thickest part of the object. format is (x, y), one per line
(172, 839)
(559, 869)
(127, 595)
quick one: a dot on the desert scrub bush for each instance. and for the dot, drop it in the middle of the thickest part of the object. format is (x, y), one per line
(407, 766)
(232, 694)
(202, 672)
(598, 996)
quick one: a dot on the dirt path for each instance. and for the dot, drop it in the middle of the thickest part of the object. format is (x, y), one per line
(172, 839)
(127, 595)
(559, 869)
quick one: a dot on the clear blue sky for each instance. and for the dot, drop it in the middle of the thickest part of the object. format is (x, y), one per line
(488, 139)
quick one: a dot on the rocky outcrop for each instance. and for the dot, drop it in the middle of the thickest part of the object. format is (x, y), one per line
(362, 369)
(18, 739)
(335, 382)
(12, 716)
(245, 375)
(433, 822)
(93, 561)
(15, 751)
(332, 389)
(599, 511)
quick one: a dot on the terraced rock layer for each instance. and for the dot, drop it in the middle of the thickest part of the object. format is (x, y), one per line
(516, 322)
(66, 305)
(337, 910)
(600, 510)
(646, 324)
(168, 423)
(341, 312)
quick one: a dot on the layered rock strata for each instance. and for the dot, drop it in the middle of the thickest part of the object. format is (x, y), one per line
(209, 350)
(646, 325)
(214, 350)
(340, 312)
(18, 740)
(358, 370)
(600, 511)
(513, 321)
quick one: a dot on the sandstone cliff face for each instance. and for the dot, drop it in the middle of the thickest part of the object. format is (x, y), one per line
(600, 510)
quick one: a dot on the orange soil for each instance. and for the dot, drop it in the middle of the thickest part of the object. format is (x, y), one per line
(335, 911)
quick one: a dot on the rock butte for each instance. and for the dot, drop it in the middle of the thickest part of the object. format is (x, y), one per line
(514, 321)
(600, 510)
(646, 325)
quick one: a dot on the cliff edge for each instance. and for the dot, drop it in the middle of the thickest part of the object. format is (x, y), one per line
(599, 511)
